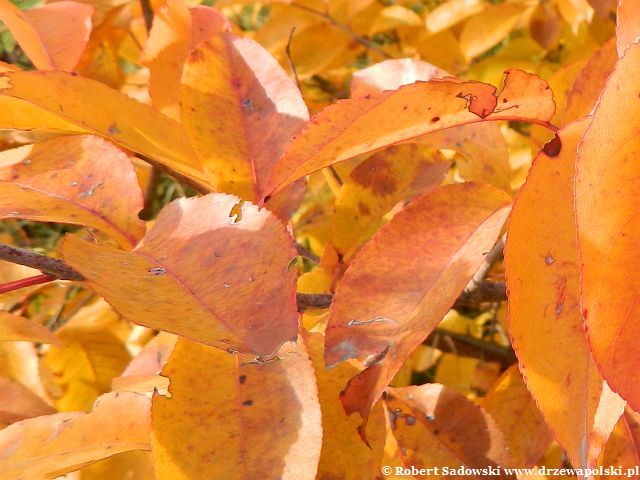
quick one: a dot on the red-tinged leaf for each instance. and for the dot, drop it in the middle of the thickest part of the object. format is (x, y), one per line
(607, 202)
(234, 419)
(544, 313)
(14, 328)
(627, 25)
(344, 455)
(361, 125)
(176, 30)
(106, 112)
(438, 427)
(204, 276)
(589, 83)
(82, 180)
(52, 36)
(17, 403)
(484, 154)
(514, 410)
(241, 110)
(403, 282)
(52, 445)
(64, 28)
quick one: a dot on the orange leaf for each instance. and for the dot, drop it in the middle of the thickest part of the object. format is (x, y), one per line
(82, 180)
(361, 125)
(64, 28)
(109, 113)
(376, 185)
(241, 110)
(17, 403)
(52, 445)
(589, 83)
(607, 202)
(403, 282)
(484, 154)
(53, 36)
(14, 328)
(176, 30)
(514, 410)
(208, 278)
(627, 25)
(437, 427)
(233, 419)
(544, 314)
(344, 454)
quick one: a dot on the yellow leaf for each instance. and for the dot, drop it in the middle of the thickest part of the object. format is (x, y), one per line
(91, 357)
(489, 28)
(16, 328)
(514, 410)
(234, 419)
(452, 12)
(395, 16)
(106, 112)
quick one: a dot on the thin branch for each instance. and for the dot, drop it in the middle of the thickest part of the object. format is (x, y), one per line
(147, 13)
(361, 40)
(26, 282)
(306, 253)
(292, 65)
(51, 266)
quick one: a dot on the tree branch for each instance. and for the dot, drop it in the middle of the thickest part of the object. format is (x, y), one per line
(51, 266)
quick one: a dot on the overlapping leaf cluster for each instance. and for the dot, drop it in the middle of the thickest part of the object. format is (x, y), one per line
(198, 343)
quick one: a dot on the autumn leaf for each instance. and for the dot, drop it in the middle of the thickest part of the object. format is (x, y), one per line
(607, 228)
(587, 86)
(344, 455)
(54, 35)
(403, 282)
(484, 154)
(421, 419)
(512, 407)
(14, 328)
(544, 306)
(98, 109)
(234, 418)
(357, 126)
(627, 26)
(72, 180)
(376, 185)
(52, 445)
(176, 30)
(17, 403)
(202, 284)
(240, 110)
(91, 355)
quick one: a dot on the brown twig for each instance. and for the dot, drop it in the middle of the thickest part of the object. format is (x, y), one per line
(292, 65)
(361, 40)
(147, 13)
(50, 266)
(306, 253)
